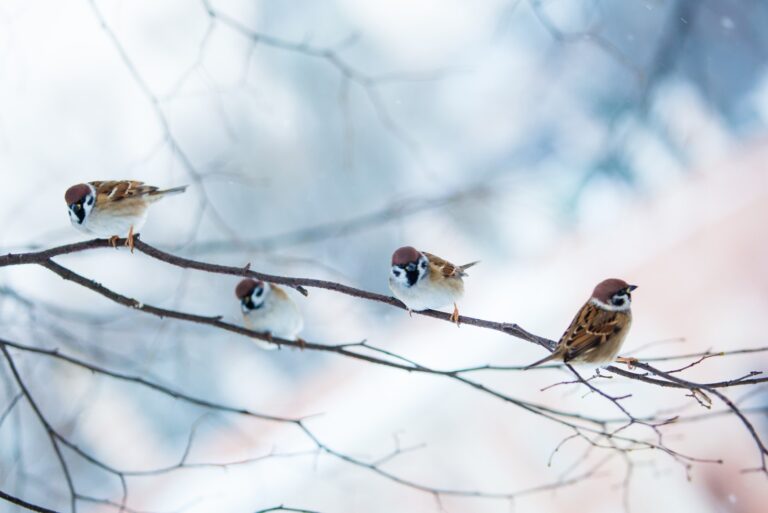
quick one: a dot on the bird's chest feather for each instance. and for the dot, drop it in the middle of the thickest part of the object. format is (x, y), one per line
(277, 316)
(117, 219)
(428, 293)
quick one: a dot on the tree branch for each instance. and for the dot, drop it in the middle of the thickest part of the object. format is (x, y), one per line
(24, 504)
(592, 430)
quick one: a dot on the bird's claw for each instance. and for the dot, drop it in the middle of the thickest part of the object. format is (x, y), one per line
(629, 361)
(129, 239)
(455, 315)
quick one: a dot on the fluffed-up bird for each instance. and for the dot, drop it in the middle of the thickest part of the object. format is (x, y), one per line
(425, 281)
(267, 308)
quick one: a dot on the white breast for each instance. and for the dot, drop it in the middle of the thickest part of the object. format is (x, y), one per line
(427, 294)
(278, 316)
(106, 224)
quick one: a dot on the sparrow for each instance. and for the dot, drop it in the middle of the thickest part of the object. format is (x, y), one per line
(113, 208)
(599, 328)
(267, 308)
(424, 281)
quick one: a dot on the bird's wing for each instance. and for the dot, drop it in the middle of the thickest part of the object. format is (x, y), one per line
(591, 328)
(442, 268)
(279, 292)
(118, 190)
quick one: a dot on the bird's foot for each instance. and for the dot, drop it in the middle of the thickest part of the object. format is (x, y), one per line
(129, 239)
(271, 339)
(629, 361)
(455, 315)
(113, 241)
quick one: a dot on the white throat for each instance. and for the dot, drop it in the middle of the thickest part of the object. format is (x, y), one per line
(612, 308)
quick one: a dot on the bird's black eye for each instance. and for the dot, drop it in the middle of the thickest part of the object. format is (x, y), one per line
(259, 292)
(396, 272)
(423, 265)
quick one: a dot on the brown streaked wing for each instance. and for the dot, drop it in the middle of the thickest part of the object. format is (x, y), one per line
(591, 327)
(116, 190)
(442, 267)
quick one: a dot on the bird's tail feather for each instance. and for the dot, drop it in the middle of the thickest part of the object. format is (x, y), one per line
(464, 267)
(168, 192)
(546, 359)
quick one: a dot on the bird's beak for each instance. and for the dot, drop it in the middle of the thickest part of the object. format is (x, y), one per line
(631, 287)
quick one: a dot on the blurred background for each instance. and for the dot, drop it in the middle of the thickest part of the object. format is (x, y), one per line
(559, 142)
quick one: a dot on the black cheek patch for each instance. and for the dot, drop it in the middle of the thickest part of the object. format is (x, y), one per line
(250, 305)
(79, 212)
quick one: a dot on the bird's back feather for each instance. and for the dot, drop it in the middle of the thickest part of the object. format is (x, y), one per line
(122, 190)
(595, 335)
(441, 267)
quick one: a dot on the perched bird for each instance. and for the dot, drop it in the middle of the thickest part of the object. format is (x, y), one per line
(113, 208)
(267, 308)
(424, 281)
(599, 328)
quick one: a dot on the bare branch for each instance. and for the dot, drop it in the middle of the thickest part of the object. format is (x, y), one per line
(48, 429)
(593, 431)
(374, 466)
(24, 504)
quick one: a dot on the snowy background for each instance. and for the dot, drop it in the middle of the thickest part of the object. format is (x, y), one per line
(559, 142)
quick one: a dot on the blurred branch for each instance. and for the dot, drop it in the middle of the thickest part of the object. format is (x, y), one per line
(52, 434)
(10, 407)
(395, 211)
(285, 508)
(333, 58)
(368, 83)
(591, 36)
(707, 354)
(165, 126)
(375, 466)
